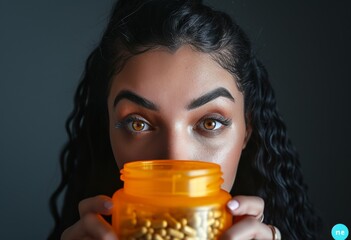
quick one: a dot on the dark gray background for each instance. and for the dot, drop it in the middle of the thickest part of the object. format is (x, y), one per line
(44, 43)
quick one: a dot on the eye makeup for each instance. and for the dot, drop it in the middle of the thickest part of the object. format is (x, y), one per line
(134, 124)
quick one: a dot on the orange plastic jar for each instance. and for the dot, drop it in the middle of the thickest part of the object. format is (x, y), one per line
(171, 199)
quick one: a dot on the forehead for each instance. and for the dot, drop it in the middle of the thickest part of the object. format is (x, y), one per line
(184, 74)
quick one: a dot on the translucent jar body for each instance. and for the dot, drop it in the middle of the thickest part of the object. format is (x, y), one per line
(171, 199)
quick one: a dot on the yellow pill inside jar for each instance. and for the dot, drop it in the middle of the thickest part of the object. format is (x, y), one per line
(171, 199)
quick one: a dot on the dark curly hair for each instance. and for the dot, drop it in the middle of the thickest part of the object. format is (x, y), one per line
(269, 165)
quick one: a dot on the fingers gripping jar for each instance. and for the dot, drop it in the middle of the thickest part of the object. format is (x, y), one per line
(171, 199)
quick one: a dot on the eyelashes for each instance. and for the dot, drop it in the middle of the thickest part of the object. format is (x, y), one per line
(134, 124)
(209, 124)
(212, 125)
(214, 122)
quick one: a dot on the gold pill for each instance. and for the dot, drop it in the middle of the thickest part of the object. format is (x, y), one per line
(210, 236)
(191, 238)
(177, 225)
(172, 222)
(157, 237)
(217, 213)
(221, 223)
(210, 221)
(189, 231)
(129, 222)
(210, 214)
(146, 223)
(167, 237)
(175, 233)
(150, 230)
(148, 236)
(162, 232)
(159, 223)
(138, 232)
(184, 221)
(215, 231)
(216, 224)
(131, 212)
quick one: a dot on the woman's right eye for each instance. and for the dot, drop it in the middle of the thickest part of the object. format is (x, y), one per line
(134, 124)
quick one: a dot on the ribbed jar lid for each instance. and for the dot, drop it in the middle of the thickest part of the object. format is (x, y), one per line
(171, 178)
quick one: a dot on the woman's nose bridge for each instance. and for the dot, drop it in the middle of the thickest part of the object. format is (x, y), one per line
(176, 144)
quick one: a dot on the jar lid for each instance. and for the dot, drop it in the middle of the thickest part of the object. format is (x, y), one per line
(172, 178)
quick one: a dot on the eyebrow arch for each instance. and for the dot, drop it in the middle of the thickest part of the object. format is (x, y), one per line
(131, 96)
(218, 92)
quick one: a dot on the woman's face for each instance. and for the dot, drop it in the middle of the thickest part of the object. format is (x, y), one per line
(180, 105)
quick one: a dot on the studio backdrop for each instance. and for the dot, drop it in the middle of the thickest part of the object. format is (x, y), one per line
(305, 46)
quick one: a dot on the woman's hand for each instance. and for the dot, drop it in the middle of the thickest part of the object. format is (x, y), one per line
(91, 225)
(248, 217)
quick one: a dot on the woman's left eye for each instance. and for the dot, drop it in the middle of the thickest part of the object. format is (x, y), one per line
(213, 123)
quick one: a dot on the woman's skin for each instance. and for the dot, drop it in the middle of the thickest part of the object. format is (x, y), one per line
(180, 105)
(177, 124)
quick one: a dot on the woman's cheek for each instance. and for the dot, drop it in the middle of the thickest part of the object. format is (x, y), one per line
(228, 154)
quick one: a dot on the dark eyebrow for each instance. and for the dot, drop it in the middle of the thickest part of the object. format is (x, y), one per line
(218, 92)
(125, 94)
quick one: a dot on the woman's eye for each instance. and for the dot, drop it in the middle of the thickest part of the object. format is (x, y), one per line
(134, 124)
(211, 124)
(138, 125)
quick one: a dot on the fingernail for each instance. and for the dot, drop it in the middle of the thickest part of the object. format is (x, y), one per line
(108, 205)
(233, 205)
